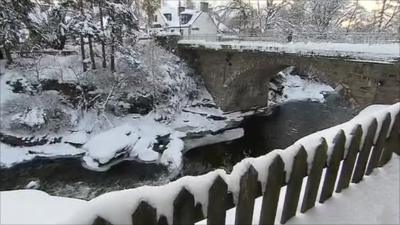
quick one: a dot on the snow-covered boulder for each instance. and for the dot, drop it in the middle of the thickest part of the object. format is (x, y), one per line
(144, 140)
(77, 138)
(110, 145)
(32, 118)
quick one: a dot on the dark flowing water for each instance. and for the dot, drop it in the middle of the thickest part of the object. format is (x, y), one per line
(290, 122)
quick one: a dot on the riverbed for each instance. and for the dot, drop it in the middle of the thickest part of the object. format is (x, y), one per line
(288, 123)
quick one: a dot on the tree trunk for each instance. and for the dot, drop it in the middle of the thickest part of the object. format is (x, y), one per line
(381, 15)
(91, 52)
(82, 41)
(7, 52)
(90, 39)
(112, 57)
(352, 17)
(103, 46)
(83, 53)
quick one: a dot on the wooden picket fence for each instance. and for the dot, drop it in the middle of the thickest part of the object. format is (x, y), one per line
(359, 161)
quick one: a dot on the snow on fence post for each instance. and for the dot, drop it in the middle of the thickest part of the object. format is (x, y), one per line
(333, 166)
(275, 180)
(378, 147)
(217, 196)
(183, 208)
(365, 151)
(101, 221)
(314, 177)
(144, 214)
(350, 159)
(298, 172)
(392, 143)
(247, 196)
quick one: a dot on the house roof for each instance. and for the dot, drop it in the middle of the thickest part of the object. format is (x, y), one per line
(174, 22)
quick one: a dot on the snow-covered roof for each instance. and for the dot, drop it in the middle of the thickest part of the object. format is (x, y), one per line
(174, 22)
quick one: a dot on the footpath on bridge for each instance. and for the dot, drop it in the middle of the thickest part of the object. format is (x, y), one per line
(381, 53)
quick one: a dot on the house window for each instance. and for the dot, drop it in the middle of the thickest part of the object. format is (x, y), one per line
(185, 18)
(168, 16)
(196, 28)
(155, 18)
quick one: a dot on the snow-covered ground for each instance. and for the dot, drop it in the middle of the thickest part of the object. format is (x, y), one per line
(105, 141)
(374, 52)
(36, 207)
(296, 88)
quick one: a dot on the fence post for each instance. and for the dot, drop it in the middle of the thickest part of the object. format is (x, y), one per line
(392, 143)
(314, 178)
(350, 159)
(299, 170)
(377, 149)
(162, 220)
(275, 179)
(365, 152)
(333, 166)
(144, 214)
(247, 195)
(217, 196)
(100, 221)
(183, 208)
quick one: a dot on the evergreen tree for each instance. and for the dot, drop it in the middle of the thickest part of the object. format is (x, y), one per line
(11, 25)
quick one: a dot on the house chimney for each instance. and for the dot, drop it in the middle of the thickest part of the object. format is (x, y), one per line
(204, 6)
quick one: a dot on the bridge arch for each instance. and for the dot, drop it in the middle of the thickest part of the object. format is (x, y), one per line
(239, 80)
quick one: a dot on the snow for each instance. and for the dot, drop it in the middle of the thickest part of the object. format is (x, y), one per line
(117, 207)
(34, 184)
(105, 146)
(363, 119)
(36, 207)
(10, 156)
(297, 88)
(228, 135)
(79, 137)
(376, 52)
(34, 117)
(133, 140)
(375, 200)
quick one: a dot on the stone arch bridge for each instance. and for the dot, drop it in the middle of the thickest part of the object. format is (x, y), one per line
(238, 76)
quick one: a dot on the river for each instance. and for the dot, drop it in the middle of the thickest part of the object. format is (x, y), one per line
(290, 122)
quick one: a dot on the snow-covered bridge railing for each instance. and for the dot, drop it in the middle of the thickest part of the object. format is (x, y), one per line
(347, 151)
(354, 37)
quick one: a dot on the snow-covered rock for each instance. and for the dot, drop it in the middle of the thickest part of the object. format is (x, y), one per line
(34, 184)
(32, 118)
(296, 88)
(139, 141)
(77, 138)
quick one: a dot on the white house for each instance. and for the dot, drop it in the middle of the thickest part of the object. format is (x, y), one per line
(185, 21)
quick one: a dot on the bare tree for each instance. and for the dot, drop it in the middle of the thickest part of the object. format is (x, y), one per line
(90, 36)
(103, 45)
(82, 43)
(325, 14)
(386, 15)
(268, 14)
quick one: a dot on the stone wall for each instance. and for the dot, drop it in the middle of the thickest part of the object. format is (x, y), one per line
(239, 80)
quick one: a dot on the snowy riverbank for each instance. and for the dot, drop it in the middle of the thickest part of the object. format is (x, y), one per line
(378, 191)
(105, 141)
